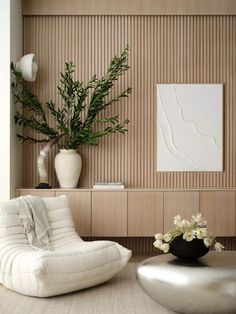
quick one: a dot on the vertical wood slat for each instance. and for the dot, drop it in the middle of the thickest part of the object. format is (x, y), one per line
(163, 49)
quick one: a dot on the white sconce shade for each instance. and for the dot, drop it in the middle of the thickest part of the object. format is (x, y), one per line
(27, 66)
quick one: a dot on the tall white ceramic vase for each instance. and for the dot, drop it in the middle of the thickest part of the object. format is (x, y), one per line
(68, 165)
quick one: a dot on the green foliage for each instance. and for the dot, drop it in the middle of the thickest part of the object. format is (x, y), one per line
(71, 130)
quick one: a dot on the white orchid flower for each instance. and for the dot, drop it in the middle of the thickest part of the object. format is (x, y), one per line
(207, 242)
(201, 233)
(158, 244)
(158, 236)
(219, 247)
(165, 247)
(177, 220)
(167, 237)
(190, 224)
(188, 236)
(198, 219)
(185, 224)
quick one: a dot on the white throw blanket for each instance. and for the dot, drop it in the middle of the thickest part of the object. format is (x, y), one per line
(34, 220)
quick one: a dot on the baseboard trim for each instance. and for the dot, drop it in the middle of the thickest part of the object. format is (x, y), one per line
(144, 245)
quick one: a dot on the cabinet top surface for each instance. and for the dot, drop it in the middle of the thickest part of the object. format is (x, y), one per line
(125, 190)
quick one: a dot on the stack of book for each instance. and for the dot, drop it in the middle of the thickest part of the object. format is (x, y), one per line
(108, 186)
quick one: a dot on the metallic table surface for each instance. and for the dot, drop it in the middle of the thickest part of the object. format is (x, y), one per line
(205, 286)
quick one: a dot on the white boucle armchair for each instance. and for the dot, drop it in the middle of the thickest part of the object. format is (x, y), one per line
(71, 265)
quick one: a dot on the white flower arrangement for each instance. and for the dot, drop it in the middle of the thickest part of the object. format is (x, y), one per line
(195, 228)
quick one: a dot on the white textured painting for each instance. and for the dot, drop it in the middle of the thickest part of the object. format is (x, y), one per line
(189, 127)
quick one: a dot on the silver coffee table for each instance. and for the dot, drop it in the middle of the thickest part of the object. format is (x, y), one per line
(205, 286)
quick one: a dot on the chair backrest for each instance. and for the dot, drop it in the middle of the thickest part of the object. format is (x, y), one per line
(59, 216)
(60, 219)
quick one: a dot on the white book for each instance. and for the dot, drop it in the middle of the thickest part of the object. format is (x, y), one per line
(108, 187)
(108, 183)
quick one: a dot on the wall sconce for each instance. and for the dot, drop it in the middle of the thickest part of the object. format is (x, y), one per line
(28, 68)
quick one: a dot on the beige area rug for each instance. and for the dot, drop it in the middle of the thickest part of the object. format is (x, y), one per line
(121, 295)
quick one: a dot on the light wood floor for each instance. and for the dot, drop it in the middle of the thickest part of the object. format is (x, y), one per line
(121, 295)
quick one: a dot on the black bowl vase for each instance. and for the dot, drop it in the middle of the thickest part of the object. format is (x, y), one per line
(188, 250)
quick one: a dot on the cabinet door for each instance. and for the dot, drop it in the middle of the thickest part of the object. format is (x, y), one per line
(109, 214)
(184, 204)
(35, 192)
(145, 213)
(218, 208)
(80, 204)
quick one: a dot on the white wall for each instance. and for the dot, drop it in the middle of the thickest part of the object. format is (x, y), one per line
(16, 150)
(11, 50)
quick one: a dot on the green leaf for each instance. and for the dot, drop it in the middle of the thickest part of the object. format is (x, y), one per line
(78, 99)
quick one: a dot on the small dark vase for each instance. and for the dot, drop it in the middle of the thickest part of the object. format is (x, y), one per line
(188, 250)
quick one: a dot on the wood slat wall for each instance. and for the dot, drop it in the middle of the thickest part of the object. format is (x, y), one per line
(163, 49)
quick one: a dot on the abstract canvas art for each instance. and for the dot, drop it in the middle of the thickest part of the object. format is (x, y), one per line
(189, 127)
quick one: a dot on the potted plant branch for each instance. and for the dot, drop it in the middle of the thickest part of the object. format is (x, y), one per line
(69, 130)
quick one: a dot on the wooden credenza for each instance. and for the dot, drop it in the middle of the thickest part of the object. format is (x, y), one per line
(142, 213)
